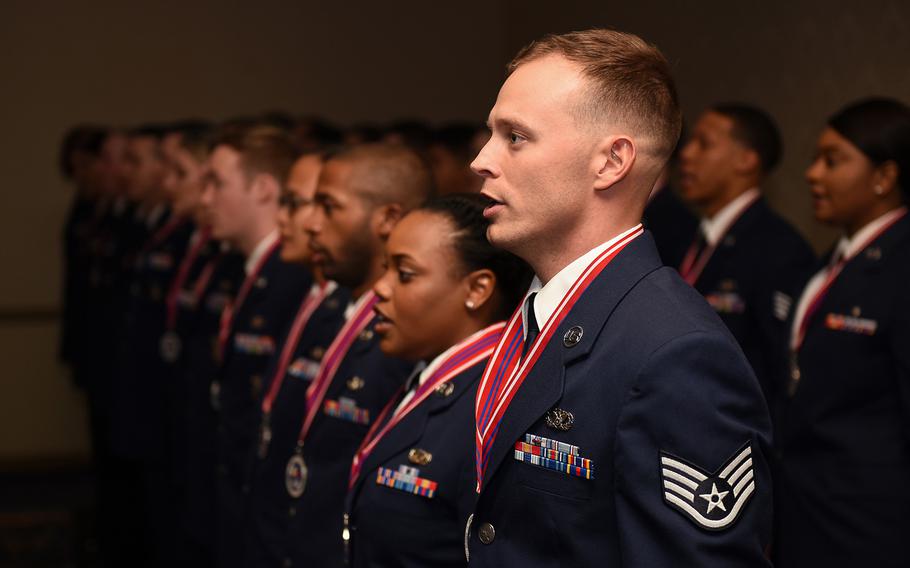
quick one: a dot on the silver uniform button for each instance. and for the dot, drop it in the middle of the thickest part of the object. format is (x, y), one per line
(486, 533)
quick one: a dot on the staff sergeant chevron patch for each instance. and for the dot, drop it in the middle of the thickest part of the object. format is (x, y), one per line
(713, 501)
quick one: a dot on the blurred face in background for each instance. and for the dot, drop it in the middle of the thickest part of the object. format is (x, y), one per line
(342, 229)
(227, 196)
(184, 177)
(423, 292)
(83, 171)
(296, 203)
(842, 182)
(709, 159)
(110, 171)
(450, 173)
(144, 169)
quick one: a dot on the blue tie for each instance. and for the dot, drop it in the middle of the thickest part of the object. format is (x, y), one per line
(531, 325)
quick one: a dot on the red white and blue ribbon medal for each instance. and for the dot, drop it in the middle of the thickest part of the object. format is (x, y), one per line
(462, 357)
(506, 370)
(296, 470)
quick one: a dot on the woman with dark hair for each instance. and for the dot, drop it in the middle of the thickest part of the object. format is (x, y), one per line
(843, 434)
(442, 301)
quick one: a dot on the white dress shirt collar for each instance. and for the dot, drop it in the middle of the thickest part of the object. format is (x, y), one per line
(850, 246)
(846, 248)
(549, 295)
(354, 305)
(253, 260)
(717, 226)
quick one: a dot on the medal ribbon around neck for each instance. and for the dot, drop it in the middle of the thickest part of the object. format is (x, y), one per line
(476, 348)
(182, 274)
(332, 359)
(505, 373)
(205, 277)
(691, 267)
(227, 316)
(309, 305)
(833, 273)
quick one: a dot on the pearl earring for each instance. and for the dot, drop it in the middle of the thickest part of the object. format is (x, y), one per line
(469, 304)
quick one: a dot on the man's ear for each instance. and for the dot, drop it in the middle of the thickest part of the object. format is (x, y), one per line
(265, 187)
(613, 161)
(385, 217)
(747, 161)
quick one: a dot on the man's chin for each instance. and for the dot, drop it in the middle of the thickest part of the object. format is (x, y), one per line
(220, 234)
(499, 237)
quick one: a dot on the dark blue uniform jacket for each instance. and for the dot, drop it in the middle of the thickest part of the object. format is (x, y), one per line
(751, 280)
(258, 329)
(396, 527)
(315, 519)
(664, 403)
(844, 436)
(267, 528)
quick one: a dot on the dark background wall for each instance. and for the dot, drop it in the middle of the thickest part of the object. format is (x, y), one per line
(126, 62)
(799, 60)
(123, 63)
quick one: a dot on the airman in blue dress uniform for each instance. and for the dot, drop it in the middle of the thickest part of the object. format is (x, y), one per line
(618, 423)
(362, 193)
(248, 167)
(412, 486)
(292, 370)
(745, 259)
(843, 425)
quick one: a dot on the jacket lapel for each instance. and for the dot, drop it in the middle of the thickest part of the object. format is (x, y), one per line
(543, 387)
(404, 434)
(412, 427)
(858, 272)
(727, 246)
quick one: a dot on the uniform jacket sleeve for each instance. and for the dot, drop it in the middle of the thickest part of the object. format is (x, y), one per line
(695, 399)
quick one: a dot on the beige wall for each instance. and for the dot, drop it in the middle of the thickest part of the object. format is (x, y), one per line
(116, 62)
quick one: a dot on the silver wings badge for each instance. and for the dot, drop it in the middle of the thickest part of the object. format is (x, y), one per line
(713, 501)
